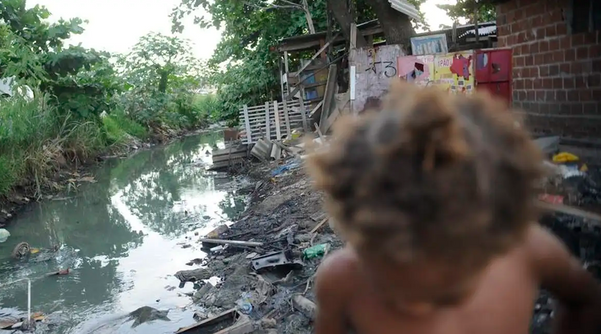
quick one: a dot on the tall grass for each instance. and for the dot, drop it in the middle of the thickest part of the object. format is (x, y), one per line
(37, 140)
(25, 127)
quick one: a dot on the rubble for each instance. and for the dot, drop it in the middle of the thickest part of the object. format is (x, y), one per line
(266, 261)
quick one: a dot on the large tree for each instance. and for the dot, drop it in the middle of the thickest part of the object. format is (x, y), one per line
(468, 11)
(251, 28)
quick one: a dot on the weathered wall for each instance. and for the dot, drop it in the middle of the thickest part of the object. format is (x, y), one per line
(556, 74)
(375, 67)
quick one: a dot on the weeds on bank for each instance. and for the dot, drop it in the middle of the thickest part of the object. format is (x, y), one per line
(37, 140)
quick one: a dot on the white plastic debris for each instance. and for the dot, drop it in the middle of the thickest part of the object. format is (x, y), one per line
(4, 234)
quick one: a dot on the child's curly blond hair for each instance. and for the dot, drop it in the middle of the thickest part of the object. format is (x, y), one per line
(430, 177)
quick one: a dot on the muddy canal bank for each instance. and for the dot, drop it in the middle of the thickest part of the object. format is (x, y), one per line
(72, 173)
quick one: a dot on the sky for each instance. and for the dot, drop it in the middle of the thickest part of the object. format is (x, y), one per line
(116, 25)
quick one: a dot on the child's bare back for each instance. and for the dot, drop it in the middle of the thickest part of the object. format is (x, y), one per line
(436, 203)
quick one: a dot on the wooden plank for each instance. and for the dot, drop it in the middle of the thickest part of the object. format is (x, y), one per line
(353, 41)
(276, 114)
(562, 208)
(325, 46)
(267, 126)
(231, 242)
(287, 119)
(285, 103)
(303, 115)
(330, 120)
(328, 97)
(247, 123)
(315, 109)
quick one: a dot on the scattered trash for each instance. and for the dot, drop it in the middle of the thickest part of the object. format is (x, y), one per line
(276, 259)
(146, 314)
(59, 273)
(552, 199)
(307, 307)
(194, 261)
(219, 230)
(21, 250)
(4, 234)
(564, 157)
(244, 304)
(284, 168)
(228, 322)
(231, 242)
(315, 251)
(217, 249)
(8, 323)
(193, 275)
(202, 292)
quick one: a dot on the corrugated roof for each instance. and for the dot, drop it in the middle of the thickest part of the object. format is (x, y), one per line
(482, 31)
(405, 7)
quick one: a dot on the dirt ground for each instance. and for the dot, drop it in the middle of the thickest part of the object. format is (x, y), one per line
(283, 210)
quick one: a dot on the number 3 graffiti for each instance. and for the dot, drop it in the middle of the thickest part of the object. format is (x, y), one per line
(389, 68)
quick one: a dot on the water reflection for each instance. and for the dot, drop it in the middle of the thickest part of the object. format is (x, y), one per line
(121, 236)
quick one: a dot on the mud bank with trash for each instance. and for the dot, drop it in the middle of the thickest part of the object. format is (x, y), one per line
(267, 260)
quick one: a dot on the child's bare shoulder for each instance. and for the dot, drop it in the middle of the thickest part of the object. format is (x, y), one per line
(338, 272)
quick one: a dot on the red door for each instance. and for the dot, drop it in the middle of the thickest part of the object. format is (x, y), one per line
(493, 72)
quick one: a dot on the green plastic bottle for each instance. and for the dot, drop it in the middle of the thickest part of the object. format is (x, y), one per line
(315, 251)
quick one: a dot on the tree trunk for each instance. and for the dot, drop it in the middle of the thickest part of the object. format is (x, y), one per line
(345, 15)
(396, 25)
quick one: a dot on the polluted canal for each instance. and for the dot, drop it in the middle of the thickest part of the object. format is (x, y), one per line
(122, 237)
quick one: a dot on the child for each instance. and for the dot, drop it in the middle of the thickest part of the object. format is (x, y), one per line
(435, 197)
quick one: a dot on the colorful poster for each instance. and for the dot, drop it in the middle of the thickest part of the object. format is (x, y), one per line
(455, 72)
(416, 69)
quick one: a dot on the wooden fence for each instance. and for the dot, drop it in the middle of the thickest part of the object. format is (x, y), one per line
(272, 120)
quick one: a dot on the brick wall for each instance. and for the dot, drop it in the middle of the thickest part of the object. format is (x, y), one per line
(556, 74)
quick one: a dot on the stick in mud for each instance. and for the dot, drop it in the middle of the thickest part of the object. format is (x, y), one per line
(231, 242)
(570, 211)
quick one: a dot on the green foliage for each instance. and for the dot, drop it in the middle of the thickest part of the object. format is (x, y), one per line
(118, 128)
(151, 86)
(249, 31)
(25, 129)
(464, 10)
(161, 75)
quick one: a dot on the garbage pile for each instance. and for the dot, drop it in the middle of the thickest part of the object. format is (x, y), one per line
(258, 273)
(571, 197)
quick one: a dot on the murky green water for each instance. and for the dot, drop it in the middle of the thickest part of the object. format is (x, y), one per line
(123, 238)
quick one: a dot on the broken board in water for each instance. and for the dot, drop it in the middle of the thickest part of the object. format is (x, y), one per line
(228, 322)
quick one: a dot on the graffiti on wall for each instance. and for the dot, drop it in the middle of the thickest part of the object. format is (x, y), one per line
(453, 72)
(386, 67)
(375, 68)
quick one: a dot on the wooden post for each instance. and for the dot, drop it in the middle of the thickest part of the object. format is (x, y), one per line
(308, 16)
(267, 124)
(352, 68)
(303, 114)
(353, 42)
(352, 91)
(284, 102)
(247, 125)
(276, 113)
(287, 120)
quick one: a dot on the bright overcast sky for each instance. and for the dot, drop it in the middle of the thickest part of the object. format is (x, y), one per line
(116, 25)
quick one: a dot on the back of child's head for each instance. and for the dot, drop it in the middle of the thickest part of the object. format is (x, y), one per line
(430, 177)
